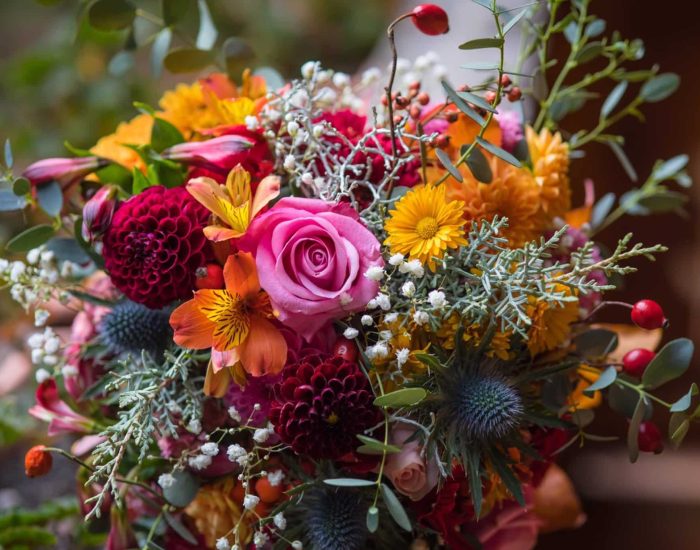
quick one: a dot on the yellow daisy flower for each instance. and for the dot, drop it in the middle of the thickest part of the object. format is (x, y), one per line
(549, 154)
(550, 322)
(425, 224)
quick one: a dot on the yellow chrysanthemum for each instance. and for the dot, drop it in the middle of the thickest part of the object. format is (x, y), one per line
(209, 103)
(216, 513)
(549, 154)
(499, 347)
(512, 193)
(425, 224)
(550, 322)
(136, 131)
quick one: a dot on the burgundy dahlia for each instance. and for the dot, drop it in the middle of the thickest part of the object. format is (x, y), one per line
(322, 403)
(155, 244)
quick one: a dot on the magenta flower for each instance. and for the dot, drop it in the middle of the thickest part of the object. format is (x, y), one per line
(223, 152)
(97, 212)
(66, 171)
(52, 409)
(311, 259)
(511, 130)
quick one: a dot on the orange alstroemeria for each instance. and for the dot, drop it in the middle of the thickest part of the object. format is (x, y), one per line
(232, 204)
(234, 322)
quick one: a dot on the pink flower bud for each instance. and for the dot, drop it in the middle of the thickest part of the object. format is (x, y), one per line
(97, 212)
(65, 171)
(222, 152)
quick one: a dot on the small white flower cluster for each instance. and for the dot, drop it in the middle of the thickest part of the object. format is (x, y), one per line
(166, 481)
(237, 453)
(200, 462)
(260, 435)
(33, 282)
(426, 65)
(45, 347)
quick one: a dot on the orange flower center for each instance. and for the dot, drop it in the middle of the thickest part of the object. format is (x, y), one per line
(427, 228)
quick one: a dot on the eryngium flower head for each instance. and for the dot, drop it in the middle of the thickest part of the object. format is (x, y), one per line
(480, 405)
(132, 327)
(336, 520)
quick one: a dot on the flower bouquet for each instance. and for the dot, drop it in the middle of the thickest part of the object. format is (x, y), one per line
(344, 313)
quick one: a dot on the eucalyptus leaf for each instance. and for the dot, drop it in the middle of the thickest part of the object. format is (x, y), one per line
(67, 249)
(596, 343)
(683, 404)
(462, 105)
(633, 429)
(405, 397)
(606, 378)
(30, 238)
(447, 163)
(613, 99)
(207, 34)
(348, 482)
(395, 508)
(619, 152)
(188, 60)
(497, 151)
(663, 200)
(9, 159)
(111, 15)
(514, 21)
(623, 400)
(594, 28)
(479, 43)
(9, 201)
(660, 87)
(479, 165)
(21, 186)
(589, 52)
(179, 528)
(601, 209)
(582, 417)
(670, 168)
(377, 446)
(477, 100)
(50, 197)
(183, 490)
(237, 53)
(669, 363)
(164, 135)
(159, 50)
(678, 426)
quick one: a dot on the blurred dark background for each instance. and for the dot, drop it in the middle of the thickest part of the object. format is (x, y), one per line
(60, 80)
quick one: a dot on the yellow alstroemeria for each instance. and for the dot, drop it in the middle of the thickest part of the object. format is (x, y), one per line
(232, 204)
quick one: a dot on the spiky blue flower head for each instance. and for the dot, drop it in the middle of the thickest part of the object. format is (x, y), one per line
(478, 404)
(132, 327)
(336, 520)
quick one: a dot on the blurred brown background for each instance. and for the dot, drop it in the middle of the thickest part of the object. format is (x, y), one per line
(56, 83)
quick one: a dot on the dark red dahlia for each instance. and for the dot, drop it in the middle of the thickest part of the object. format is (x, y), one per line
(155, 244)
(321, 404)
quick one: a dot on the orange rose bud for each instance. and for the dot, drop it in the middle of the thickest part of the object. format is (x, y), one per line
(37, 461)
(267, 492)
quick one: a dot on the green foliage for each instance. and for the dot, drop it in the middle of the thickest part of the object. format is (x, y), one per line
(27, 528)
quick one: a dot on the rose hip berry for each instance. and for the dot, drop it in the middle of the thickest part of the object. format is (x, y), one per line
(37, 461)
(649, 438)
(209, 276)
(347, 349)
(430, 19)
(648, 315)
(635, 361)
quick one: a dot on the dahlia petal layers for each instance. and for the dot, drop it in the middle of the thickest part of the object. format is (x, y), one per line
(318, 320)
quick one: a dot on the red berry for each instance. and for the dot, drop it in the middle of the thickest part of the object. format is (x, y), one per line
(505, 81)
(648, 314)
(649, 438)
(430, 19)
(635, 361)
(423, 98)
(490, 96)
(515, 94)
(347, 349)
(211, 276)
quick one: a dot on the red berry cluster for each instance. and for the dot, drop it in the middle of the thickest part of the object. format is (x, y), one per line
(430, 19)
(414, 102)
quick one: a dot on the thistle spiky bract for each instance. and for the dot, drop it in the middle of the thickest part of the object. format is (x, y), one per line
(132, 327)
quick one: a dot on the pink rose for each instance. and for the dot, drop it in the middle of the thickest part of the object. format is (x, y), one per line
(510, 527)
(311, 258)
(408, 470)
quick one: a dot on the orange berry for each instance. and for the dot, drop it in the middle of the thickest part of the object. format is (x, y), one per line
(37, 461)
(210, 276)
(267, 492)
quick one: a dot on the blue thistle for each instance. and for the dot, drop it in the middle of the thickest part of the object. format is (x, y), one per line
(336, 520)
(132, 327)
(478, 404)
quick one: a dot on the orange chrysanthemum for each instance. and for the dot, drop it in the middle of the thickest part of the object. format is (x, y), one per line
(217, 513)
(425, 224)
(234, 322)
(512, 193)
(136, 131)
(550, 322)
(550, 166)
